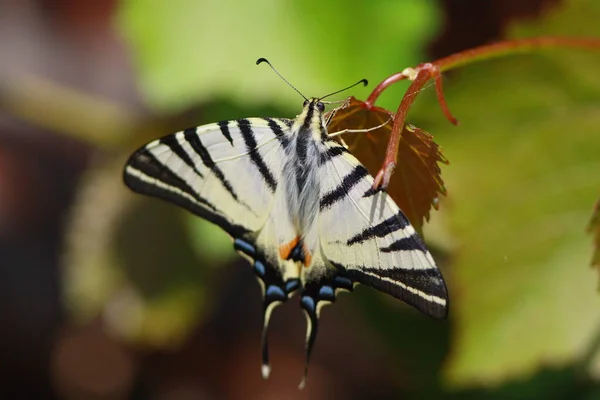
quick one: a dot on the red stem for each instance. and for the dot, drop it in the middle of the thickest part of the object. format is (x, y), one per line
(370, 102)
(433, 70)
(409, 97)
(489, 51)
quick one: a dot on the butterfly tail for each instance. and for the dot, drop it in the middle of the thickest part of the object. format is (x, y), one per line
(316, 294)
(309, 305)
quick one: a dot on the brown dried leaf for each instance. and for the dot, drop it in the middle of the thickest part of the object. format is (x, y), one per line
(594, 229)
(416, 182)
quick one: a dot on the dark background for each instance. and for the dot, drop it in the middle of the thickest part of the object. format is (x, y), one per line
(366, 348)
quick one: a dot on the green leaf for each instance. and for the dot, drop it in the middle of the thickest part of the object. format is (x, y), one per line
(188, 51)
(521, 186)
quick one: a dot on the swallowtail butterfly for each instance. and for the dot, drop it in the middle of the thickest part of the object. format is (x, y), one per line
(299, 206)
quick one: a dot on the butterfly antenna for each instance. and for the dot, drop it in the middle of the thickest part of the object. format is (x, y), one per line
(262, 60)
(363, 81)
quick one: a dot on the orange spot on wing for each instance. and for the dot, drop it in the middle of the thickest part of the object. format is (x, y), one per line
(285, 251)
(286, 248)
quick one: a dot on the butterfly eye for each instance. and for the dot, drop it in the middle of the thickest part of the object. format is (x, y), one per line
(305, 103)
(321, 106)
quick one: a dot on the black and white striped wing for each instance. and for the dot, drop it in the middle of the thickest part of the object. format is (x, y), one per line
(367, 238)
(226, 172)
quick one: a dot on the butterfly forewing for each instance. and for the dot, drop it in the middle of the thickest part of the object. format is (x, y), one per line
(210, 170)
(368, 239)
(227, 173)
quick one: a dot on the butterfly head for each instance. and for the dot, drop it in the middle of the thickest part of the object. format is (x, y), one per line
(311, 121)
(314, 102)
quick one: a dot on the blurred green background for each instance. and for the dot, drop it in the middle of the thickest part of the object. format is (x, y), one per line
(109, 295)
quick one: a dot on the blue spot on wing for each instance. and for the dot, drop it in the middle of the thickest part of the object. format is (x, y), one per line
(244, 247)
(308, 303)
(275, 293)
(327, 293)
(259, 268)
(292, 285)
(343, 282)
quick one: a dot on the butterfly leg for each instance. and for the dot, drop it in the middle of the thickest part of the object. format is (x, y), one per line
(365, 130)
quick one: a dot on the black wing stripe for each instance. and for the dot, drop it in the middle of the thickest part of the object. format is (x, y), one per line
(194, 140)
(151, 166)
(431, 299)
(246, 129)
(169, 186)
(372, 192)
(173, 144)
(421, 288)
(332, 152)
(427, 280)
(274, 126)
(386, 227)
(224, 126)
(286, 121)
(411, 243)
(352, 179)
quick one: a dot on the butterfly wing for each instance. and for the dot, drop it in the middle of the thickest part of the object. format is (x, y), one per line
(227, 173)
(211, 169)
(367, 238)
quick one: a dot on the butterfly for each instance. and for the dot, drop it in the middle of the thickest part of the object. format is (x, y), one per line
(299, 206)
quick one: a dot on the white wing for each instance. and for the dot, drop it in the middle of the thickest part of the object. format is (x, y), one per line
(226, 172)
(368, 239)
(364, 238)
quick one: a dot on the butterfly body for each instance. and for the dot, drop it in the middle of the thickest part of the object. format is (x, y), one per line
(298, 206)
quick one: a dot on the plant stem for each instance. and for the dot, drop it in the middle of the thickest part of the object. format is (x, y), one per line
(487, 52)
(421, 74)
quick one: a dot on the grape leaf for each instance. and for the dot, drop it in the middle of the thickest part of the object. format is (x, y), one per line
(522, 297)
(416, 183)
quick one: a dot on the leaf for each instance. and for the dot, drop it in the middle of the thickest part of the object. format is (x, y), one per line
(416, 182)
(188, 51)
(522, 297)
(594, 229)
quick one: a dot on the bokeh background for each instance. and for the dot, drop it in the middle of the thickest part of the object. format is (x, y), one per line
(109, 295)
